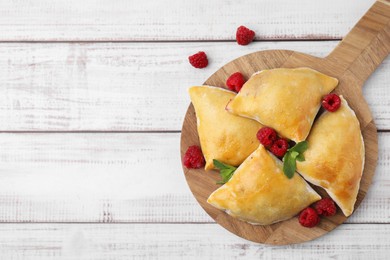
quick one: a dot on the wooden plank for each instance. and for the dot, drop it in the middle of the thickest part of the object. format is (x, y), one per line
(121, 178)
(185, 241)
(126, 87)
(46, 20)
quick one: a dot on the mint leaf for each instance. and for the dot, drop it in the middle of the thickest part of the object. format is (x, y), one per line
(289, 165)
(293, 155)
(300, 147)
(226, 175)
(226, 171)
(300, 157)
(221, 165)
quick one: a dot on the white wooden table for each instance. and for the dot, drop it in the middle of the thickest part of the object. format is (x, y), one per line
(93, 94)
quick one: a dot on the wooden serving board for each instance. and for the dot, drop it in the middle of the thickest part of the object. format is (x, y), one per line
(352, 62)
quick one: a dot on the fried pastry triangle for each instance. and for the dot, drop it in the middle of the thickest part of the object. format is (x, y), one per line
(259, 192)
(335, 157)
(223, 136)
(284, 99)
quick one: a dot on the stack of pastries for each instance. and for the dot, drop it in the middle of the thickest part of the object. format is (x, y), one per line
(288, 101)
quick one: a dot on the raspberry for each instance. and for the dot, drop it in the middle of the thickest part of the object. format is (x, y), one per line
(279, 147)
(267, 136)
(325, 207)
(244, 36)
(331, 102)
(235, 81)
(199, 60)
(309, 217)
(193, 158)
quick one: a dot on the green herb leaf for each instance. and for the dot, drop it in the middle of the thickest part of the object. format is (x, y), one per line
(221, 165)
(300, 147)
(226, 174)
(289, 165)
(226, 171)
(300, 157)
(294, 154)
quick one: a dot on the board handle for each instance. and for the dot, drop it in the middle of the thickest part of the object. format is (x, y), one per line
(364, 48)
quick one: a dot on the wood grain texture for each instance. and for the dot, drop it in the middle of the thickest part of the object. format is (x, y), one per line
(121, 178)
(104, 20)
(370, 38)
(66, 177)
(122, 87)
(186, 241)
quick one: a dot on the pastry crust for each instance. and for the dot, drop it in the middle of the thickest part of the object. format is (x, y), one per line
(223, 136)
(335, 157)
(259, 193)
(284, 99)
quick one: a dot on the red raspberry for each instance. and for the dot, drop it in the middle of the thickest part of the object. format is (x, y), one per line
(325, 207)
(279, 147)
(267, 136)
(309, 217)
(193, 158)
(244, 36)
(331, 102)
(235, 81)
(199, 60)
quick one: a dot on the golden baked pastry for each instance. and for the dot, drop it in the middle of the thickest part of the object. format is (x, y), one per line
(223, 136)
(259, 192)
(335, 157)
(284, 99)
